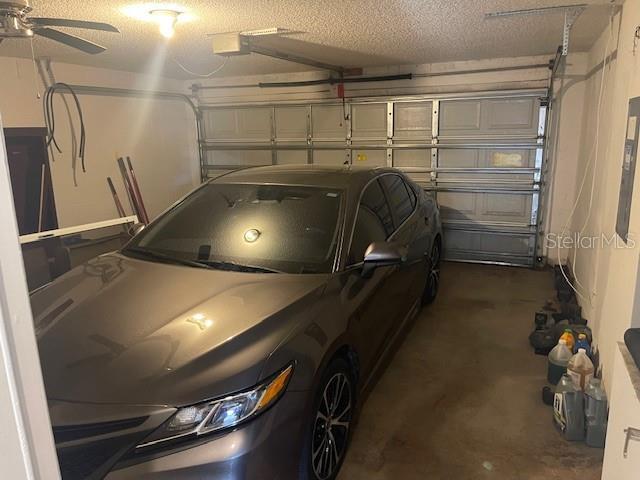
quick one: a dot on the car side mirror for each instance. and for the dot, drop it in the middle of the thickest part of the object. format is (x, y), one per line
(136, 228)
(381, 254)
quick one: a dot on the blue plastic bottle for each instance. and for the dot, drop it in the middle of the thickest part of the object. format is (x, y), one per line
(583, 343)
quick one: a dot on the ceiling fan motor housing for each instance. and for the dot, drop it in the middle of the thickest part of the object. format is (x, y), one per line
(15, 4)
(12, 23)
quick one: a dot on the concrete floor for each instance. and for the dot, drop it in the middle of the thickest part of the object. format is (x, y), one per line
(461, 397)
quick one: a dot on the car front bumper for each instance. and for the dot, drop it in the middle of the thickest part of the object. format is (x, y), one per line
(266, 448)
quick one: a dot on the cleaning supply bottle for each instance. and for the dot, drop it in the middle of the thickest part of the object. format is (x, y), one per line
(568, 409)
(595, 410)
(557, 362)
(583, 343)
(580, 369)
(568, 337)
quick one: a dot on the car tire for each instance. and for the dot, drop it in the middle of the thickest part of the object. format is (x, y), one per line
(433, 279)
(330, 424)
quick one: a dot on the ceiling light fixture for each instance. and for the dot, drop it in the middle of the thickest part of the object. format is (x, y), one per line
(165, 15)
(166, 20)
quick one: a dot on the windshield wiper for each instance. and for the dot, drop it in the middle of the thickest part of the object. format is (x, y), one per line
(237, 267)
(164, 257)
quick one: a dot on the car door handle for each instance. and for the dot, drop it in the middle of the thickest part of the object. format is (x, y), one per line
(426, 221)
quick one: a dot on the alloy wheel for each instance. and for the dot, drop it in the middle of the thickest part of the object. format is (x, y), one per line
(331, 426)
(434, 274)
(433, 277)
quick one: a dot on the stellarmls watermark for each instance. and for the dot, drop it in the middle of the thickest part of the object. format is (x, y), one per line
(577, 240)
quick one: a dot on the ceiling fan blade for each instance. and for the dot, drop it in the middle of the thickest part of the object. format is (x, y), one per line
(70, 40)
(65, 22)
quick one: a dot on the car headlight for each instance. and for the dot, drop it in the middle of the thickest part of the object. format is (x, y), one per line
(223, 413)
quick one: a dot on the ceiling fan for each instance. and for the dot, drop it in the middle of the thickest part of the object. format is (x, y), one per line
(14, 23)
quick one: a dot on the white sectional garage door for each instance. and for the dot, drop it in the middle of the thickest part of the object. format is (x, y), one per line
(481, 155)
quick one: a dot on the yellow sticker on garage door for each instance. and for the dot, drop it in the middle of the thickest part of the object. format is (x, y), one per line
(361, 157)
(501, 159)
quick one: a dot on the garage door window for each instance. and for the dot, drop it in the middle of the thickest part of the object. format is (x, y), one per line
(402, 198)
(373, 223)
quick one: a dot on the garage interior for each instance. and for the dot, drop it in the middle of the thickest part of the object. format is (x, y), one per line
(519, 116)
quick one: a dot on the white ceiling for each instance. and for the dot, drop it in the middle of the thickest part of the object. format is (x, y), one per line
(346, 32)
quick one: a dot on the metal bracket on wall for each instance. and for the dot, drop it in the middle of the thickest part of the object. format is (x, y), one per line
(309, 134)
(390, 129)
(349, 134)
(570, 17)
(571, 14)
(274, 153)
(435, 131)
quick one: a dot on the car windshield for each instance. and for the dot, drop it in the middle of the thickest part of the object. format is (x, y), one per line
(242, 227)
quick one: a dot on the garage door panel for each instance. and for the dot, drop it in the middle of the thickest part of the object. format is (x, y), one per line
(255, 123)
(458, 158)
(240, 158)
(221, 124)
(369, 120)
(413, 120)
(460, 240)
(489, 117)
(458, 116)
(454, 205)
(489, 247)
(506, 207)
(412, 158)
(328, 122)
(515, 158)
(291, 123)
(370, 158)
(329, 157)
(485, 207)
(291, 157)
(509, 114)
(497, 243)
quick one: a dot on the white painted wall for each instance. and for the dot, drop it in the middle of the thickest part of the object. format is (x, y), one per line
(607, 274)
(159, 135)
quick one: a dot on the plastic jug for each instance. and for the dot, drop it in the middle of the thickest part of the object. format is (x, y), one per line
(557, 362)
(580, 369)
(583, 343)
(595, 410)
(568, 337)
(568, 409)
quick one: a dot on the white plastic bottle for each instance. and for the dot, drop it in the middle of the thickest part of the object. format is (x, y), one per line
(580, 369)
(558, 360)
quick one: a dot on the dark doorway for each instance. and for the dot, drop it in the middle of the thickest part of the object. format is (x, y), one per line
(31, 179)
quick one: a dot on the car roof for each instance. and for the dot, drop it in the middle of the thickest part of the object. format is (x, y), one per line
(315, 175)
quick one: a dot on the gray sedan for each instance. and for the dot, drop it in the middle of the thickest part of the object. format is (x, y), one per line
(232, 338)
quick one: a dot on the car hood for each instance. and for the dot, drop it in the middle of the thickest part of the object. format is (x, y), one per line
(122, 330)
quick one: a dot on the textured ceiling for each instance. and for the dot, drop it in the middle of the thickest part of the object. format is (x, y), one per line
(345, 32)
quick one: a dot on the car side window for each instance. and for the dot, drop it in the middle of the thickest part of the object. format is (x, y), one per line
(373, 222)
(401, 197)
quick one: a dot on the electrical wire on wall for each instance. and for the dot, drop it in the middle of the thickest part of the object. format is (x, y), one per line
(201, 75)
(50, 122)
(593, 156)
